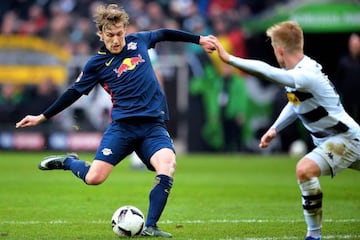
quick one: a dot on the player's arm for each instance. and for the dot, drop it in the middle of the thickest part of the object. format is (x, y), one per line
(64, 101)
(173, 35)
(257, 68)
(286, 117)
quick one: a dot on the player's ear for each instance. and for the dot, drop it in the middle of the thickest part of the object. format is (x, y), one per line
(279, 50)
(100, 33)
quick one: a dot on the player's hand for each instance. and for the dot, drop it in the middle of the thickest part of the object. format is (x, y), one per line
(223, 54)
(30, 120)
(207, 43)
(267, 137)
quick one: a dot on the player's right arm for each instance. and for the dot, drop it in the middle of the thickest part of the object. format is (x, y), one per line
(64, 101)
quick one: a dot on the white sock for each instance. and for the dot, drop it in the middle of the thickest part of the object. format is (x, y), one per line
(312, 205)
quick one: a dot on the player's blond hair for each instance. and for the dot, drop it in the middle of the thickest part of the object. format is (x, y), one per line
(287, 35)
(110, 15)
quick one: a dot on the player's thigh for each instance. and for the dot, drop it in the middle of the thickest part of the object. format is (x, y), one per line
(336, 153)
(115, 144)
(157, 138)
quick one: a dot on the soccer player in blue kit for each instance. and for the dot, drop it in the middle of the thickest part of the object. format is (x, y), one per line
(312, 99)
(139, 114)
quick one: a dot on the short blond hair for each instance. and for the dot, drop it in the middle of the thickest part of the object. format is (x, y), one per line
(288, 35)
(110, 15)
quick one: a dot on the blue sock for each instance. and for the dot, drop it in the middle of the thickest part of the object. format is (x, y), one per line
(158, 198)
(79, 167)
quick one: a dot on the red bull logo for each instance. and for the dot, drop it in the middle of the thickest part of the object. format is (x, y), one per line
(128, 64)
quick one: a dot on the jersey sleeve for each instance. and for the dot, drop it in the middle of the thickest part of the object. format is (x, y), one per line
(87, 79)
(286, 117)
(64, 101)
(264, 71)
(164, 34)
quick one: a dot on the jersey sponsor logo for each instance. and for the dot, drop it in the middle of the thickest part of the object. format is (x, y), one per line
(109, 62)
(128, 64)
(293, 99)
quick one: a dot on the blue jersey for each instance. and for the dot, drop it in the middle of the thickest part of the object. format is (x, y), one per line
(128, 77)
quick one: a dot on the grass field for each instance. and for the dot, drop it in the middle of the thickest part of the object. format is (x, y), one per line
(243, 197)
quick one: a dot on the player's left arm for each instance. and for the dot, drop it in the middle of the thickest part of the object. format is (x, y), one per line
(286, 117)
(174, 35)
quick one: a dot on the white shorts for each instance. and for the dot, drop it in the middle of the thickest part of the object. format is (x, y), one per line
(337, 153)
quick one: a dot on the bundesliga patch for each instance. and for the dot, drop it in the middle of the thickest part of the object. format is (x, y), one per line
(132, 46)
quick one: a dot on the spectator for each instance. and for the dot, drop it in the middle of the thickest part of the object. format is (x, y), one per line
(232, 101)
(41, 95)
(348, 77)
(36, 23)
(10, 100)
(10, 23)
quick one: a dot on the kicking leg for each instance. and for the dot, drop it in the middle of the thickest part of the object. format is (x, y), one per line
(91, 173)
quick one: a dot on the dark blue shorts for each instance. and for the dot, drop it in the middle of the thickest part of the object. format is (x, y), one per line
(122, 137)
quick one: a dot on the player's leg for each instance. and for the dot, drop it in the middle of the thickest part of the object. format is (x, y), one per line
(332, 156)
(98, 172)
(114, 147)
(66, 162)
(91, 173)
(307, 172)
(164, 163)
(158, 154)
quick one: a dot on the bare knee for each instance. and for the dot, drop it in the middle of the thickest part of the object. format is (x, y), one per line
(164, 162)
(306, 169)
(98, 172)
(94, 179)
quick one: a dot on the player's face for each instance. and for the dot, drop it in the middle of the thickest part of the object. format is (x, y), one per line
(114, 37)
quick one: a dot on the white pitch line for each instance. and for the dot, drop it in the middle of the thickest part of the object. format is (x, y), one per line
(101, 221)
(337, 237)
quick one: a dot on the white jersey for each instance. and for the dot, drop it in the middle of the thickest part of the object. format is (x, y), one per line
(316, 103)
(312, 97)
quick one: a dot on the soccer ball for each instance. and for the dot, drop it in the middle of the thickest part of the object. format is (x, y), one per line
(297, 148)
(127, 221)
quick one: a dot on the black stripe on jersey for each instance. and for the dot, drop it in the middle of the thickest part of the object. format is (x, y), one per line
(314, 115)
(302, 96)
(340, 127)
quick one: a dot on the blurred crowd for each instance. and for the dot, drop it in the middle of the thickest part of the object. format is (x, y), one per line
(69, 24)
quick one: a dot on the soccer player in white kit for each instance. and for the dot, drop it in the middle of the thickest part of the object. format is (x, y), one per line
(312, 99)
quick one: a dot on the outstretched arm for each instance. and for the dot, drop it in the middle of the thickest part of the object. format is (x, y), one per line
(174, 35)
(255, 67)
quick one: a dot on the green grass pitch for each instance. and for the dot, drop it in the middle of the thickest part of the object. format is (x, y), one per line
(215, 196)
